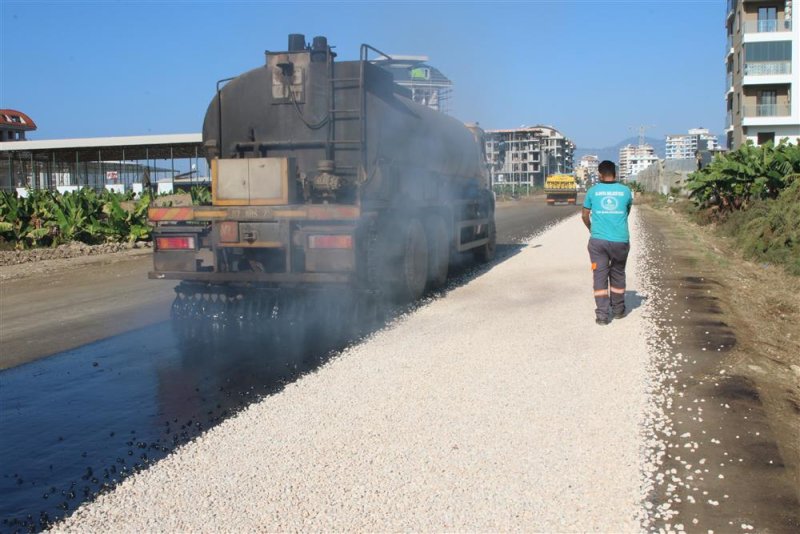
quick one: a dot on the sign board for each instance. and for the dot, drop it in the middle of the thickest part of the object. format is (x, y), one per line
(112, 176)
(116, 188)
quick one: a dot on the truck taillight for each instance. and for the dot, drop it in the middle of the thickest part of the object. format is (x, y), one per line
(175, 243)
(229, 231)
(330, 241)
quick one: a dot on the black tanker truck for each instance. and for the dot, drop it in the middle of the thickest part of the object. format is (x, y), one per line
(325, 175)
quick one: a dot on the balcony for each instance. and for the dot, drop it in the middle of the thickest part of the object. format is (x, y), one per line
(767, 68)
(767, 26)
(728, 121)
(728, 82)
(767, 110)
(731, 8)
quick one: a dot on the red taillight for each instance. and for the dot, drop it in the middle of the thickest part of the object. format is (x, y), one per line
(330, 241)
(175, 243)
(229, 232)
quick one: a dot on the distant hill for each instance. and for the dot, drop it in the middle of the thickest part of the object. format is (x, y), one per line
(612, 152)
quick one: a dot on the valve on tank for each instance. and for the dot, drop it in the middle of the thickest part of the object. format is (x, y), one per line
(326, 183)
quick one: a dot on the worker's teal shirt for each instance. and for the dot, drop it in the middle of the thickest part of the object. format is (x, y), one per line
(610, 204)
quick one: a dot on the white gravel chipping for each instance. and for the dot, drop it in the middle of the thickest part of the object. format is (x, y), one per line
(502, 406)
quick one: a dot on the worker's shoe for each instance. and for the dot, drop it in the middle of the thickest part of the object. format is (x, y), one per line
(620, 314)
(601, 321)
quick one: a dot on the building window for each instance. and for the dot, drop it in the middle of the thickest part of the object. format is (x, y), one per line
(766, 137)
(768, 51)
(767, 19)
(767, 104)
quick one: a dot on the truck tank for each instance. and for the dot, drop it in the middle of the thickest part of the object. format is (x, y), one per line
(355, 135)
(326, 177)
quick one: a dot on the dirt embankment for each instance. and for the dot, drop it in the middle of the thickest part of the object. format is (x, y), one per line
(15, 264)
(75, 249)
(736, 327)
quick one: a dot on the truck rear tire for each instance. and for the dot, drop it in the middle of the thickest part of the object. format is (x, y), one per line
(413, 264)
(438, 251)
(486, 252)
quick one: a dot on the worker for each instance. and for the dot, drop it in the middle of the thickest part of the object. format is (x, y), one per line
(605, 213)
(147, 186)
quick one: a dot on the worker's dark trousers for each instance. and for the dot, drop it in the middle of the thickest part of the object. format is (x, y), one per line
(608, 267)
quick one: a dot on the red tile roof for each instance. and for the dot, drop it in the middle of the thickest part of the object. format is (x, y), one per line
(16, 119)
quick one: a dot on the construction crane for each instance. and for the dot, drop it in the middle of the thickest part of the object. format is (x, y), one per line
(641, 128)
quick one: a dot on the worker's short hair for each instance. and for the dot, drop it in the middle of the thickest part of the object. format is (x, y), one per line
(607, 168)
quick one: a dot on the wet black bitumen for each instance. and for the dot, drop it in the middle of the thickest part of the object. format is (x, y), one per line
(77, 423)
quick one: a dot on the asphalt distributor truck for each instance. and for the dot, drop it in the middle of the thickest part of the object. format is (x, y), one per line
(325, 176)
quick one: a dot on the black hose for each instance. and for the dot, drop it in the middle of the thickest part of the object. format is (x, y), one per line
(316, 126)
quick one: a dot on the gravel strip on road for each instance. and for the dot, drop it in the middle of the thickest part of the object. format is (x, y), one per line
(501, 406)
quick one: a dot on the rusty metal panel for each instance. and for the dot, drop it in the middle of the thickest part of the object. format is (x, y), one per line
(330, 260)
(185, 261)
(260, 232)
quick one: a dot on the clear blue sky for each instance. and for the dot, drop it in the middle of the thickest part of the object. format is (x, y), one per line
(592, 69)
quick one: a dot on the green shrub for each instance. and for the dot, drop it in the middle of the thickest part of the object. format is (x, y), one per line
(770, 229)
(734, 179)
(201, 195)
(49, 218)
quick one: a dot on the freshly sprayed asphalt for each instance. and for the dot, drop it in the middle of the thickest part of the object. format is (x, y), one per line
(125, 392)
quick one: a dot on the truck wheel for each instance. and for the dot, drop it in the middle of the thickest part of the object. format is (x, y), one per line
(438, 251)
(485, 253)
(413, 265)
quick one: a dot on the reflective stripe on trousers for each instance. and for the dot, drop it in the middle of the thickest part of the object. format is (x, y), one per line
(608, 270)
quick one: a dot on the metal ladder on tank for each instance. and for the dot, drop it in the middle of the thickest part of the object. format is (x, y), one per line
(359, 114)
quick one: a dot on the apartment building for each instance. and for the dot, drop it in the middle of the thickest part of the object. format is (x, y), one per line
(686, 146)
(427, 84)
(586, 170)
(762, 72)
(14, 124)
(527, 155)
(635, 158)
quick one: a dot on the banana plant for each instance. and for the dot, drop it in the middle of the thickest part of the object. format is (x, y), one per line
(201, 195)
(70, 218)
(14, 218)
(749, 173)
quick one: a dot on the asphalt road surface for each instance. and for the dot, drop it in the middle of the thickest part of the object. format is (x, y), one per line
(119, 391)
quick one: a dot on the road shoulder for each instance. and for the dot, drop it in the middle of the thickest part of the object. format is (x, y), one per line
(731, 461)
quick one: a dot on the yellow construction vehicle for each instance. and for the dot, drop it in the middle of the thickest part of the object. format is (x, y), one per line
(561, 188)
